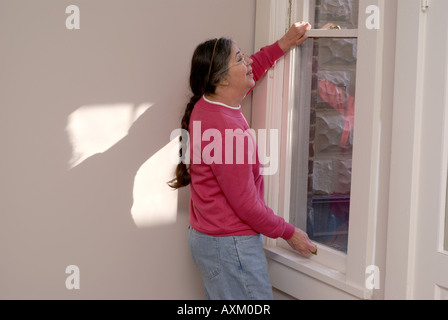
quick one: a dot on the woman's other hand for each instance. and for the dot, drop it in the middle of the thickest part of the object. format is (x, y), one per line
(294, 36)
(301, 243)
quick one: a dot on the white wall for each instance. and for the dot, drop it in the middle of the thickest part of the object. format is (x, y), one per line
(126, 56)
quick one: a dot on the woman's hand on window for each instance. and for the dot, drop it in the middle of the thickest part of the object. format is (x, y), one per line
(302, 243)
(294, 36)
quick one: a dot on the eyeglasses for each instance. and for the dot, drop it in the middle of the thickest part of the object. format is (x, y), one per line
(241, 60)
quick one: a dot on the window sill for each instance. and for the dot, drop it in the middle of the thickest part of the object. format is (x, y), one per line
(297, 271)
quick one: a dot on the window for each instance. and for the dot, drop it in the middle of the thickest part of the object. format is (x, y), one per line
(328, 101)
(323, 122)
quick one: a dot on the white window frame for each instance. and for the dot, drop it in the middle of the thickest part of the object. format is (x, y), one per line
(330, 274)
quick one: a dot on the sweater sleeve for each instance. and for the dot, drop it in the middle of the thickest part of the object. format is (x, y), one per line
(265, 59)
(237, 182)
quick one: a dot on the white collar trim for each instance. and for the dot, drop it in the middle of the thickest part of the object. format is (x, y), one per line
(221, 104)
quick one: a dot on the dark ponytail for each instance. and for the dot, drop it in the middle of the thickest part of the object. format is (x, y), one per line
(209, 60)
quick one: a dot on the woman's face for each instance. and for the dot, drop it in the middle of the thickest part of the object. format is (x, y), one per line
(240, 76)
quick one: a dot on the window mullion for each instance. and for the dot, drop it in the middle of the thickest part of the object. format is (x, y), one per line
(345, 33)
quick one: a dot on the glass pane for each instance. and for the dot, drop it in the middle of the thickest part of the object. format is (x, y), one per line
(332, 110)
(340, 12)
(321, 188)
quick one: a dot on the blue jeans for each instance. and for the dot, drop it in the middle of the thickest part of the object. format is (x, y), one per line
(232, 268)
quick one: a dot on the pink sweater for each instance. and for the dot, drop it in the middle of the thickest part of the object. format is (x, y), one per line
(227, 191)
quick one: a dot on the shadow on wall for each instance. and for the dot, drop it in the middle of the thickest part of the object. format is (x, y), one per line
(96, 128)
(99, 215)
(95, 230)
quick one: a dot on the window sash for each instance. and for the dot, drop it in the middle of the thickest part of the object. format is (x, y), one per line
(278, 90)
(299, 126)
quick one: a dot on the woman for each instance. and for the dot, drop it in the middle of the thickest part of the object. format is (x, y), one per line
(227, 209)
